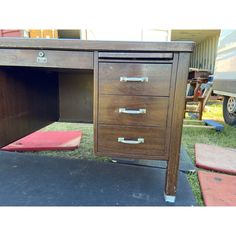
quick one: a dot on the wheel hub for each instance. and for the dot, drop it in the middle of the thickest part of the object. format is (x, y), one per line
(231, 105)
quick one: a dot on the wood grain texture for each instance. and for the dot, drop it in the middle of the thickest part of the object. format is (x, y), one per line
(29, 101)
(95, 103)
(158, 79)
(154, 140)
(136, 55)
(176, 123)
(76, 96)
(140, 60)
(171, 101)
(55, 59)
(93, 45)
(156, 110)
(29, 96)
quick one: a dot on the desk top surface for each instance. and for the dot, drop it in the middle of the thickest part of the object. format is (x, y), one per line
(92, 45)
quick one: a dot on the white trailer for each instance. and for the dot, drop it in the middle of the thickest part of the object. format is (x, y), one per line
(225, 74)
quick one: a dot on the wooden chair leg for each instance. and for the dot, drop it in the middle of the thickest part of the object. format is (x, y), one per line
(185, 109)
(200, 110)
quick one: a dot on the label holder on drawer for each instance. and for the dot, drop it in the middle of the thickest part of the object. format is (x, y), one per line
(42, 58)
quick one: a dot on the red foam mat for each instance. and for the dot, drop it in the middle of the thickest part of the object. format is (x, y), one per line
(47, 141)
(216, 158)
(218, 189)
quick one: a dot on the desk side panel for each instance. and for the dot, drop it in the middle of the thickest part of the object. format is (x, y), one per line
(28, 101)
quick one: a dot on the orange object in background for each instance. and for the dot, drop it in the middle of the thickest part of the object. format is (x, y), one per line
(45, 33)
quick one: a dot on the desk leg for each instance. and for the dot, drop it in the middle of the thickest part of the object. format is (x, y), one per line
(176, 127)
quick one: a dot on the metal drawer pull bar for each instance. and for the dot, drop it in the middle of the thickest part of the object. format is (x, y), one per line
(133, 112)
(138, 141)
(133, 79)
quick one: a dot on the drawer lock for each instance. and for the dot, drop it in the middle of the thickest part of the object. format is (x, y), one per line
(41, 58)
(132, 112)
(133, 79)
(128, 141)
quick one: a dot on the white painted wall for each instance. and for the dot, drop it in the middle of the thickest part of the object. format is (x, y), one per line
(204, 54)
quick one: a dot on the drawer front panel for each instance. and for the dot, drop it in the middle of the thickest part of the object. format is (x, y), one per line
(46, 58)
(131, 140)
(132, 110)
(134, 79)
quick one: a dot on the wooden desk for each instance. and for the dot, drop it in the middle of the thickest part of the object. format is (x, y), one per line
(133, 92)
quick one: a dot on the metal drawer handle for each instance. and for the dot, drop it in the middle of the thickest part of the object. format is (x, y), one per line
(133, 79)
(123, 140)
(133, 112)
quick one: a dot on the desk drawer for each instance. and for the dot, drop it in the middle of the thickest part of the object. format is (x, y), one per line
(134, 79)
(131, 140)
(133, 110)
(46, 58)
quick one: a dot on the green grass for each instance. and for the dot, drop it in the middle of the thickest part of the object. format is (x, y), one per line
(86, 147)
(226, 138)
(190, 136)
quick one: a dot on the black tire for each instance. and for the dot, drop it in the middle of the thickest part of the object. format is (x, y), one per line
(230, 118)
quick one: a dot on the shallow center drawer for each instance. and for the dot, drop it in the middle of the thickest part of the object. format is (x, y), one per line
(134, 78)
(131, 140)
(133, 110)
(46, 58)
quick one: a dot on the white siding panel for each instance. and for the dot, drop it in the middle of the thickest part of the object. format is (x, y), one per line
(204, 54)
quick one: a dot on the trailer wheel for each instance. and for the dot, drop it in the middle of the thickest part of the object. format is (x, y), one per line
(229, 110)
